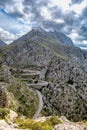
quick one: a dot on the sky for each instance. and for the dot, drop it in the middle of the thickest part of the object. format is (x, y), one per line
(18, 17)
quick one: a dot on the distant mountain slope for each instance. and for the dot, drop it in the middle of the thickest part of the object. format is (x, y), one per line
(2, 43)
(63, 38)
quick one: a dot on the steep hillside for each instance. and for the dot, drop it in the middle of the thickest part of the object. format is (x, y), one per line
(64, 39)
(16, 95)
(67, 90)
(56, 70)
(38, 46)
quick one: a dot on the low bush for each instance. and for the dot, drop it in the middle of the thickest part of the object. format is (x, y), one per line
(3, 113)
(31, 124)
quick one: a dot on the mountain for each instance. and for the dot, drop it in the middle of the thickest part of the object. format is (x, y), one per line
(48, 63)
(2, 43)
(63, 38)
(56, 37)
(39, 40)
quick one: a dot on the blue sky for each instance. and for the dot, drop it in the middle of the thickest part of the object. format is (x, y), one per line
(18, 17)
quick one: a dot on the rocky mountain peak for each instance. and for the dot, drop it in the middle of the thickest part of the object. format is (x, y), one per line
(38, 29)
(41, 34)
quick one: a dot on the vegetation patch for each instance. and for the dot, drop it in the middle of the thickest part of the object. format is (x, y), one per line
(84, 122)
(3, 113)
(2, 79)
(27, 99)
(33, 125)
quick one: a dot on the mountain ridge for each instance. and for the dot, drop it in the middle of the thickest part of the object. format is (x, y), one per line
(53, 36)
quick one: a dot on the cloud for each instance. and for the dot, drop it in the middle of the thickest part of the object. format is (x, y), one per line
(9, 37)
(77, 8)
(6, 36)
(83, 31)
(13, 7)
(59, 21)
(19, 16)
(9, 23)
(35, 8)
(45, 13)
(76, 1)
(63, 4)
(5, 2)
(84, 12)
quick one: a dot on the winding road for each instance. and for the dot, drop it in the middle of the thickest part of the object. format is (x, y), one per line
(40, 105)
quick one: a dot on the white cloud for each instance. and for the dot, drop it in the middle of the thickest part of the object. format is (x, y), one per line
(26, 18)
(84, 42)
(85, 48)
(77, 8)
(9, 37)
(77, 39)
(16, 7)
(74, 35)
(64, 4)
(58, 20)
(25, 30)
(6, 36)
(45, 13)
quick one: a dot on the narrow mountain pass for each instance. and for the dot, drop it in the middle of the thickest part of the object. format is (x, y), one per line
(32, 79)
(40, 105)
(38, 85)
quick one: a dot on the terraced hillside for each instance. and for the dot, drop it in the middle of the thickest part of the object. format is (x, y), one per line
(16, 95)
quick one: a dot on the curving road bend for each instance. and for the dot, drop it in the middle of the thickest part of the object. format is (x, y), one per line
(40, 105)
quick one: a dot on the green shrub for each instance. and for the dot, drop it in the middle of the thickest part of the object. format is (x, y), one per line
(1, 79)
(54, 120)
(27, 100)
(31, 124)
(3, 113)
(84, 122)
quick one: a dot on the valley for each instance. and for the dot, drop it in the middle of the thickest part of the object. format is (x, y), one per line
(43, 76)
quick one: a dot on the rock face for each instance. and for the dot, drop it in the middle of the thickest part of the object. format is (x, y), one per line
(6, 126)
(67, 125)
(67, 90)
(61, 67)
(70, 126)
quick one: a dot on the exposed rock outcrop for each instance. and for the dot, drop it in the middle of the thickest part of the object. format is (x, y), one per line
(67, 90)
(67, 125)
